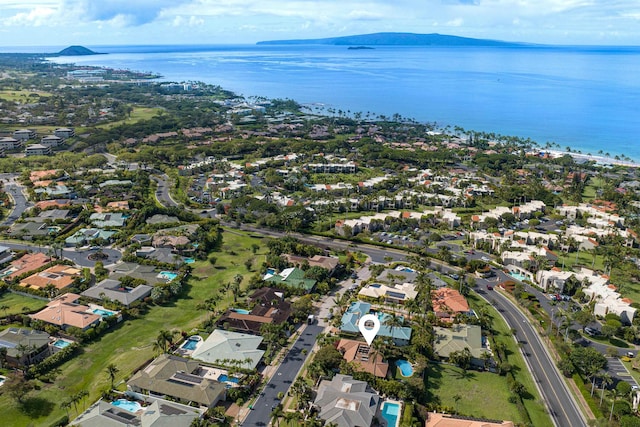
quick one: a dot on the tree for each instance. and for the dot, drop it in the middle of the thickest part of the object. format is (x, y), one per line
(5, 308)
(605, 381)
(461, 358)
(17, 386)
(112, 370)
(164, 340)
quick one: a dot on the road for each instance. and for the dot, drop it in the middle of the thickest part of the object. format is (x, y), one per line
(283, 377)
(20, 203)
(560, 402)
(79, 257)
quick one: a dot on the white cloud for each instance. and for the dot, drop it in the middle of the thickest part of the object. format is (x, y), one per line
(36, 17)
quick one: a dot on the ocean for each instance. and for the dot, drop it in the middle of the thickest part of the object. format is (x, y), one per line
(585, 98)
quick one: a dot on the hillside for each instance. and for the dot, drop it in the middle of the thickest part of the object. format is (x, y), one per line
(76, 51)
(396, 39)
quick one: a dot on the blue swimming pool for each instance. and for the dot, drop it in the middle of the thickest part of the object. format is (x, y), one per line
(103, 313)
(61, 343)
(127, 405)
(241, 311)
(518, 276)
(391, 413)
(405, 367)
(223, 378)
(191, 343)
(189, 260)
(167, 275)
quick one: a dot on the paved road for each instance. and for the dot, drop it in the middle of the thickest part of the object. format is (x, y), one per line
(560, 402)
(80, 257)
(13, 188)
(283, 378)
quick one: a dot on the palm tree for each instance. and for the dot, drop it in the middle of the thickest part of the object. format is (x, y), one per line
(164, 340)
(605, 381)
(112, 370)
(614, 396)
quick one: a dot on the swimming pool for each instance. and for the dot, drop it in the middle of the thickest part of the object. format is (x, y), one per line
(189, 260)
(103, 313)
(61, 343)
(518, 276)
(223, 378)
(405, 367)
(191, 343)
(127, 405)
(241, 311)
(391, 413)
(167, 275)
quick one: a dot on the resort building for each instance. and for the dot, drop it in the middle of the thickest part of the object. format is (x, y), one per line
(179, 379)
(8, 143)
(363, 356)
(608, 300)
(25, 134)
(64, 133)
(113, 290)
(24, 346)
(224, 346)
(346, 402)
(37, 150)
(51, 141)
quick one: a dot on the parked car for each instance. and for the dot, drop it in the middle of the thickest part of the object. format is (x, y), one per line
(489, 287)
(590, 331)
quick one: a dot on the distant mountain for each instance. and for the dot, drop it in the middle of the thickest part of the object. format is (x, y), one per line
(77, 51)
(397, 39)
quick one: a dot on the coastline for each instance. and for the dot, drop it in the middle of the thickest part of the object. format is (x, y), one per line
(600, 160)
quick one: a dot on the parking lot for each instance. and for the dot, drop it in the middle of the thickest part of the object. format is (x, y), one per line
(619, 372)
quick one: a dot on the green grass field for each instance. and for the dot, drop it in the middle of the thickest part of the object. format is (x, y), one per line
(21, 95)
(16, 303)
(138, 114)
(130, 344)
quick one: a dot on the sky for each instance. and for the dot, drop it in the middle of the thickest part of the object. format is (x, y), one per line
(127, 22)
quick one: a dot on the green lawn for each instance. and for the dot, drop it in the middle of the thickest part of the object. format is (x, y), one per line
(483, 394)
(16, 303)
(503, 334)
(138, 114)
(21, 95)
(130, 344)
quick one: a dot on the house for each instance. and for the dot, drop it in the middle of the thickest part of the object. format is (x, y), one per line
(447, 303)
(86, 235)
(113, 290)
(64, 312)
(326, 262)
(457, 338)
(363, 356)
(6, 254)
(157, 413)
(61, 276)
(396, 294)
(435, 419)
(25, 264)
(292, 278)
(24, 346)
(64, 133)
(223, 346)
(270, 307)
(346, 402)
(182, 380)
(108, 219)
(37, 150)
(401, 335)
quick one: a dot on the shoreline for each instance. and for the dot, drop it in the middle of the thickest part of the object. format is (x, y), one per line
(600, 160)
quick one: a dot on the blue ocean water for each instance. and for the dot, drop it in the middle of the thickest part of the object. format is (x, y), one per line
(585, 98)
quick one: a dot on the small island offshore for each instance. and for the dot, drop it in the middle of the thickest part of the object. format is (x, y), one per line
(173, 251)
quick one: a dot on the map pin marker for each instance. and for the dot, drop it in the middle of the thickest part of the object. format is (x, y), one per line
(369, 331)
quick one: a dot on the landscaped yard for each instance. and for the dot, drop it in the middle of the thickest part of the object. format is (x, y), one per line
(138, 114)
(130, 344)
(17, 303)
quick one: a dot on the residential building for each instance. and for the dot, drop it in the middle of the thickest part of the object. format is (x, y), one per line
(24, 346)
(157, 413)
(363, 356)
(608, 300)
(51, 141)
(349, 167)
(292, 278)
(25, 134)
(270, 308)
(64, 133)
(8, 143)
(447, 303)
(400, 335)
(37, 150)
(64, 312)
(326, 262)
(223, 346)
(25, 264)
(114, 290)
(457, 338)
(179, 379)
(60, 276)
(554, 280)
(6, 254)
(346, 402)
(108, 219)
(396, 294)
(435, 419)
(86, 235)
